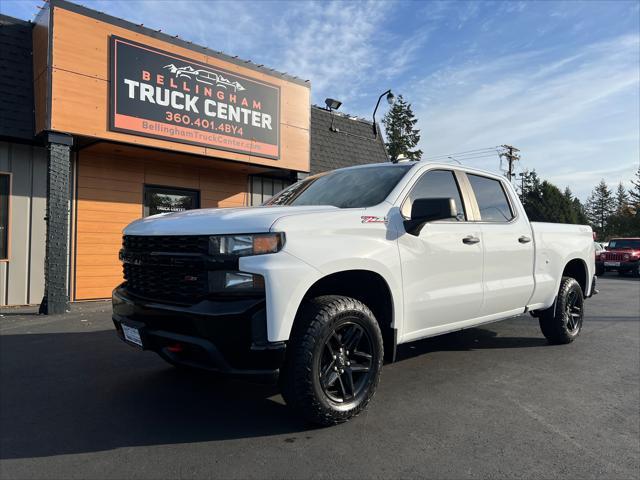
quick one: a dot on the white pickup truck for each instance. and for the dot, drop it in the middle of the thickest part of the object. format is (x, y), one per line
(318, 286)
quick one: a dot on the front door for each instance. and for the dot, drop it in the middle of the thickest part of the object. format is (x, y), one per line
(442, 266)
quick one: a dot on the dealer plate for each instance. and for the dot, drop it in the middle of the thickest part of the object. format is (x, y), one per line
(131, 334)
(611, 264)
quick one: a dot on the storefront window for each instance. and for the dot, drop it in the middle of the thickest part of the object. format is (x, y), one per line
(167, 200)
(262, 188)
(5, 185)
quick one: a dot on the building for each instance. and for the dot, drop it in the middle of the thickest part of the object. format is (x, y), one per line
(104, 121)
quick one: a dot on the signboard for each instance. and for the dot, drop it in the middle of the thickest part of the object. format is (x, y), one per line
(162, 95)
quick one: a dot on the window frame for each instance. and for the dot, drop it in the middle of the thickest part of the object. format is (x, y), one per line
(476, 206)
(168, 187)
(459, 179)
(286, 182)
(10, 177)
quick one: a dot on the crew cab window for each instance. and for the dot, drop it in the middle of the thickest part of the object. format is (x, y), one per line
(492, 199)
(435, 184)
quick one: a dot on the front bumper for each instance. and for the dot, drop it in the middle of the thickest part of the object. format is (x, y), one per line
(622, 267)
(227, 336)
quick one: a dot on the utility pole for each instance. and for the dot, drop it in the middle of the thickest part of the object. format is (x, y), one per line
(522, 177)
(511, 154)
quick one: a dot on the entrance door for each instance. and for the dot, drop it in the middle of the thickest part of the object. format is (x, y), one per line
(442, 267)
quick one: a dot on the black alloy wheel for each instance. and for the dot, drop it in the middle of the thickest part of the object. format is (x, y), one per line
(345, 365)
(574, 311)
(334, 358)
(562, 322)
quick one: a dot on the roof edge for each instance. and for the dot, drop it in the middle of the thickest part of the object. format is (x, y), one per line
(120, 22)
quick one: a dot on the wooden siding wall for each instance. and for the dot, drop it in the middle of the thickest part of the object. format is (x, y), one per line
(80, 91)
(22, 277)
(110, 195)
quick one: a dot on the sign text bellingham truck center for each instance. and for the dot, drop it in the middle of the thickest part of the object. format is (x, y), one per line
(163, 95)
(189, 103)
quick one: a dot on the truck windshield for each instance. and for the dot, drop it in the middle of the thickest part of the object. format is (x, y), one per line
(348, 188)
(624, 243)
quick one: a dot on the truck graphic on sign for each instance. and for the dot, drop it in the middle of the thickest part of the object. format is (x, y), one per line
(204, 76)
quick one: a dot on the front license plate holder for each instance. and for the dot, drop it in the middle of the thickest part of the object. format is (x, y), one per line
(132, 335)
(611, 264)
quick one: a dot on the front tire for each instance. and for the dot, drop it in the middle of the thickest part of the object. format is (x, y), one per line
(562, 322)
(333, 360)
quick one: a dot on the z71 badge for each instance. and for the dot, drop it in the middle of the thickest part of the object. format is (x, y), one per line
(372, 219)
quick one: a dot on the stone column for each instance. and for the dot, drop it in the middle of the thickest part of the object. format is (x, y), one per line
(56, 297)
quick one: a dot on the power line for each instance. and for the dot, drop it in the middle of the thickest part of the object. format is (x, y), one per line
(465, 153)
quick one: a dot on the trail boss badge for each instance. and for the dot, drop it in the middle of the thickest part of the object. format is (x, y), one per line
(162, 95)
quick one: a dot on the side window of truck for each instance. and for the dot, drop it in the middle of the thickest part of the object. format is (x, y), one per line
(435, 184)
(492, 199)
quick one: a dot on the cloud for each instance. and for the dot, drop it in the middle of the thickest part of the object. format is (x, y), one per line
(565, 112)
(551, 78)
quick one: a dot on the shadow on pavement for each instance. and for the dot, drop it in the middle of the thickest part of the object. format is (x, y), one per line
(471, 339)
(67, 393)
(615, 276)
(84, 392)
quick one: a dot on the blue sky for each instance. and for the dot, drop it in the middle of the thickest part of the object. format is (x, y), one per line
(559, 80)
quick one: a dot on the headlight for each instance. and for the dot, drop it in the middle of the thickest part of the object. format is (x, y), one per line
(243, 245)
(625, 257)
(235, 282)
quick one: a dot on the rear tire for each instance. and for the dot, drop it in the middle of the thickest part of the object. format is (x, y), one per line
(562, 322)
(333, 360)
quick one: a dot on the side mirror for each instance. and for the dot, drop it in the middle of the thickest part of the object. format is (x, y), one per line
(426, 210)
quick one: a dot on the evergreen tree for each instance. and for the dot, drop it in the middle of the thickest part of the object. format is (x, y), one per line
(544, 202)
(600, 207)
(622, 199)
(634, 191)
(581, 215)
(568, 193)
(402, 136)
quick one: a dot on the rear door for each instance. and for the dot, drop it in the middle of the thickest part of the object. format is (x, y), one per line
(442, 266)
(508, 245)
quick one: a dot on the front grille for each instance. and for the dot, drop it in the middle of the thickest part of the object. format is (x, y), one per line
(166, 284)
(166, 243)
(613, 256)
(168, 268)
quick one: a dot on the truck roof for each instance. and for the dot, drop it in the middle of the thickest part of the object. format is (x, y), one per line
(421, 163)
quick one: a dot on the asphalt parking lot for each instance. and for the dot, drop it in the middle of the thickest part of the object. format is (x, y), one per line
(491, 402)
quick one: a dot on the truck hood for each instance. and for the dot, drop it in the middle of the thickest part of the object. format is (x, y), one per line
(211, 221)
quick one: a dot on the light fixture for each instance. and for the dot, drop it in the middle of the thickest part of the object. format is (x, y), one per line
(332, 104)
(390, 99)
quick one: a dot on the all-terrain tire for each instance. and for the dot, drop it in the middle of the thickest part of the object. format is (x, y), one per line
(562, 322)
(315, 337)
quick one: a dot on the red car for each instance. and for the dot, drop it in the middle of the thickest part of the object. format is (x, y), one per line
(622, 254)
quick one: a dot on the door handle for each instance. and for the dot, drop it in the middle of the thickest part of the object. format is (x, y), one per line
(470, 240)
(524, 239)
